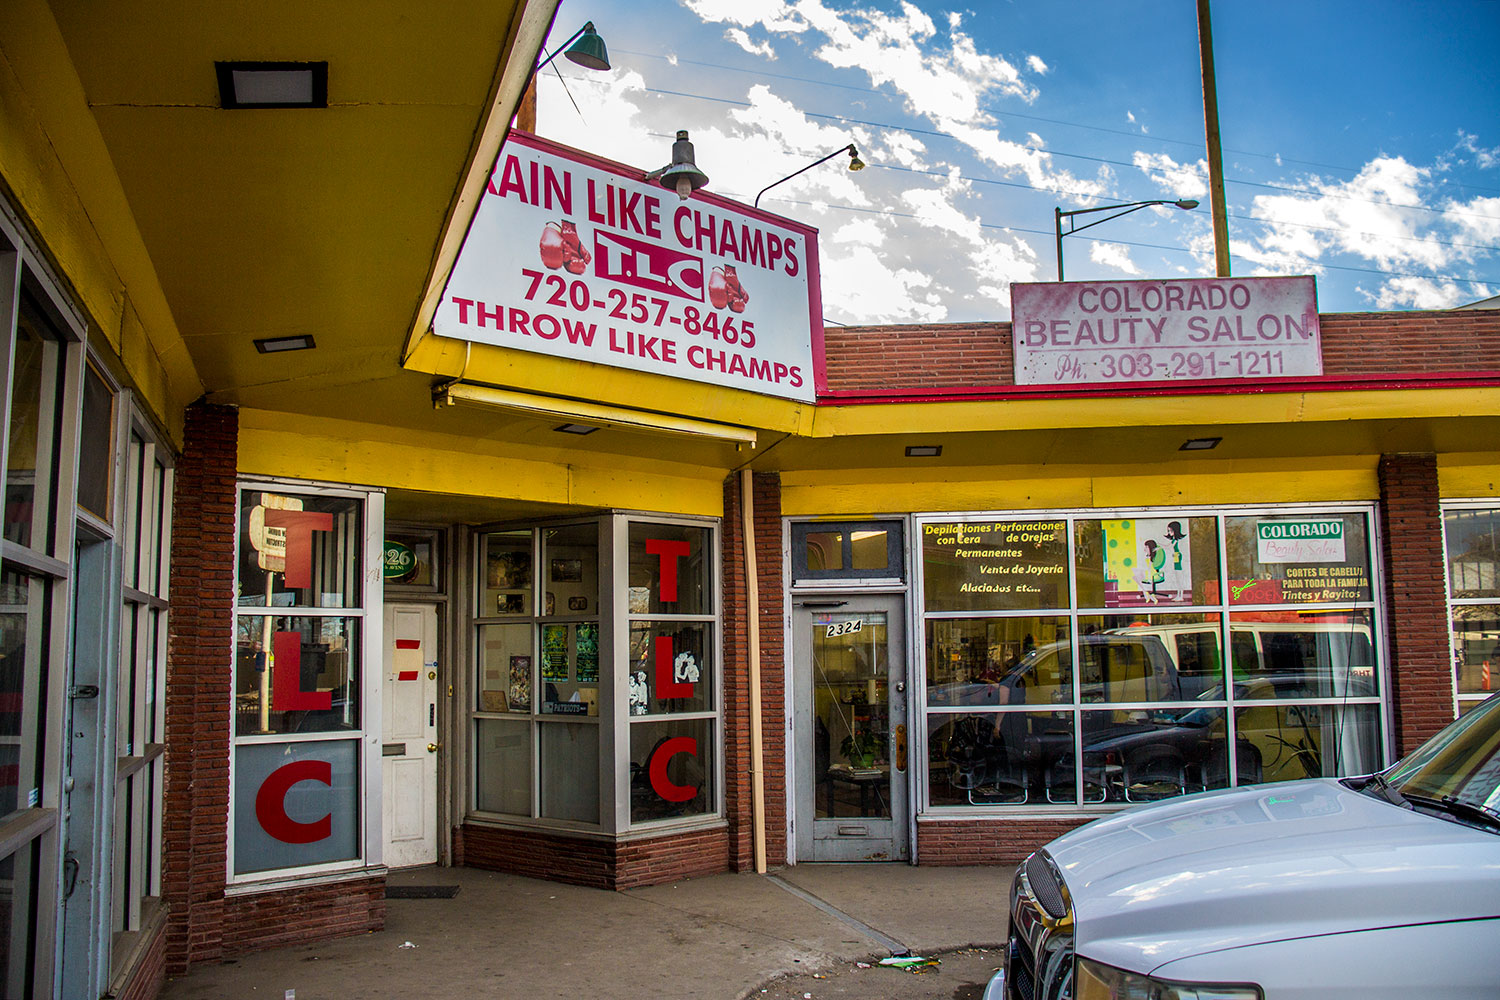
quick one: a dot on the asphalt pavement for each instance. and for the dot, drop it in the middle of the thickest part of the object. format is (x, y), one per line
(807, 931)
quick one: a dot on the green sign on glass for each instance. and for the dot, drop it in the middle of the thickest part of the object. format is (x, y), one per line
(399, 560)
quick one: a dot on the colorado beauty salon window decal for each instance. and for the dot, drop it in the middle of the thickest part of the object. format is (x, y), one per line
(576, 257)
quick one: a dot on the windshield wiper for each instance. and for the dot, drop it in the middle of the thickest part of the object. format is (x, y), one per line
(1384, 788)
(1483, 815)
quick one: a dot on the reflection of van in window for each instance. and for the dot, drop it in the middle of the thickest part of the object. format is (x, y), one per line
(1326, 659)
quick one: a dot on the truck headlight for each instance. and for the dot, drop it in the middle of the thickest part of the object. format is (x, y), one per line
(1102, 982)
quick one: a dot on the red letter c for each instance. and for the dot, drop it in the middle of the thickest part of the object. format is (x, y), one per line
(270, 802)
(659, 760)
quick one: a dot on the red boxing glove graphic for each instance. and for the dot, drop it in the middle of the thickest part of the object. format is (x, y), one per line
(718, 293)
(552, 246)
(734, 292)
(575, 257)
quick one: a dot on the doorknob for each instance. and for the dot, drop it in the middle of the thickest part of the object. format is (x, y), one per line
(432, 747)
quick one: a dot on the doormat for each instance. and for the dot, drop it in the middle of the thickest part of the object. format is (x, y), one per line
(421, 891)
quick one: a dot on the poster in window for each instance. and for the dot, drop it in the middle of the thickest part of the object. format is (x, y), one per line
(520, 684)
(554, 654)
(1147, 561)
(588, 653)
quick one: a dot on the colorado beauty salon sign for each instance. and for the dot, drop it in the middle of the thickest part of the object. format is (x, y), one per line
(579, 258)
(1072, 333)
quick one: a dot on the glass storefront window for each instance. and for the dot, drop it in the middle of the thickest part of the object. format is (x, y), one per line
(300, 632)
(1298, 558)
(669, 570)
(30, 460)
(1471, 542)
(505, 659)
(671, 769)
(1120, 693)
(570, 568)
(24, 617)
(295, 804)
(300, 551)
(995, 565)
(308, 683)
(506, 565)
(1143, 562)
(562, 628)
(569, 769)
(502, 758)
(670, 668)
(1309, 656)
(999, 661)
(1172, 657)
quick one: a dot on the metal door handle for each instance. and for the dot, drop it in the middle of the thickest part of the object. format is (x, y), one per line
(432, 747)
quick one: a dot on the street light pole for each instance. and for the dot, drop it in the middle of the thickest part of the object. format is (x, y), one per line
(1186, 204)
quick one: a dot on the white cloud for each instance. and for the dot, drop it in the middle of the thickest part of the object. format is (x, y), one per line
(1112, 255)
(864, 232)
(1377, 215)
(774, 14)
(1476, 221)
(739, 37)
(1037, 66)
(1484, 159)
(1418, 293)
(864, 287)
(1181, 180)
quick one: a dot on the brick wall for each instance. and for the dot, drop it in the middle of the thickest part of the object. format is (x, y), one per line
(597, 863)
(150, 973)
(766, 491)
(986, 842)
(202, 925)
(199, 644)
(973, 355)
(303, 915)
(1416, 612)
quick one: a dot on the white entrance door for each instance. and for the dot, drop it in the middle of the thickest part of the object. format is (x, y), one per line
(850, 726)
(409, 753)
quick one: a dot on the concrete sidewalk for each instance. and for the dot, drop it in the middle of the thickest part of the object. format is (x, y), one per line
(716, 938)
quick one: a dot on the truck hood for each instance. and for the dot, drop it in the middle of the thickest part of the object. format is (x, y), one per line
(1267, 863)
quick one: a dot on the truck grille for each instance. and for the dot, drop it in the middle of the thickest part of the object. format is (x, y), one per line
(1039, 947)
(1045, 888)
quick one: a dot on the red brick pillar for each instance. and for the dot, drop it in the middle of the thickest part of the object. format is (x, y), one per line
(199, 667)
(766, 501)
(1411, 549)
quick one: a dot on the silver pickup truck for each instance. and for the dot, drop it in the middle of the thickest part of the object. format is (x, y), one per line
(1385, 886)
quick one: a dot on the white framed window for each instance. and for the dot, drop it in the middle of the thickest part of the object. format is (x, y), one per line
(304, 796)
(1085, 658)
(596, 690)
(1471, 547)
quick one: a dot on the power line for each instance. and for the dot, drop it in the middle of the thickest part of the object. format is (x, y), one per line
(1191, 144)
(1145, 246)
(912, 130)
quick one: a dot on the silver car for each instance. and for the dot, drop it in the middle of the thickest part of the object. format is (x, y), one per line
(1385, 886)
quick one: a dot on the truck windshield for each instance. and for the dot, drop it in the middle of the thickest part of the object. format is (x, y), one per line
(1458, 770)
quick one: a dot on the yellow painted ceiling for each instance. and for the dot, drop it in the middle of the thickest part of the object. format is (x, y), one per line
(272, 222)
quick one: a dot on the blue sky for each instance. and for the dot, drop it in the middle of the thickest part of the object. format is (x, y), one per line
(1361, 139)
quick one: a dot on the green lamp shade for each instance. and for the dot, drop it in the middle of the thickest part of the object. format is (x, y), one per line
(589, 50)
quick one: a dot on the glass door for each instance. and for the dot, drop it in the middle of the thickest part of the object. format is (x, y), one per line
(850, 729)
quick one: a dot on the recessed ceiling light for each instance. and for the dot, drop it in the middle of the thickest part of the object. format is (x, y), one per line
(923, 450)
(275, 345)
(576, 429)
(272, 84)
(1200, 444)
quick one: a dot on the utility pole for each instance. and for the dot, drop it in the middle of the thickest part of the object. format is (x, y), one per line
(1211, 128)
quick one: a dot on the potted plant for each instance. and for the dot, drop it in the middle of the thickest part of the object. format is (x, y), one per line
(861, 747)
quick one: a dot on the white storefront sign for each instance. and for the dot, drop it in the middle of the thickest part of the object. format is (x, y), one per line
(579, 258)
(1309, 541)
(1248, 329)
